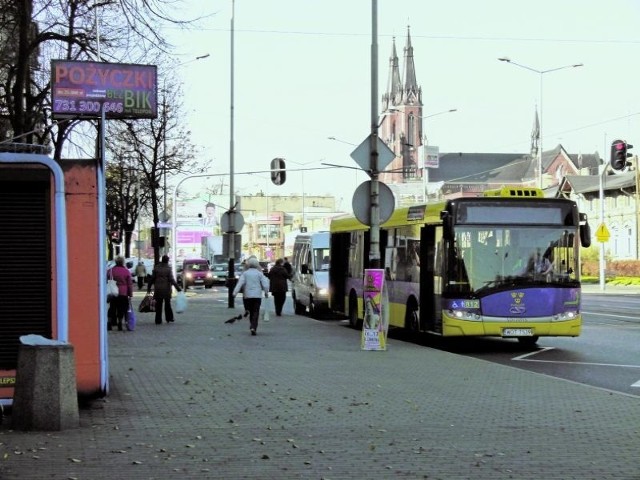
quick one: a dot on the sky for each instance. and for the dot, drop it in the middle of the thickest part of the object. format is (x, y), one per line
(302, 73)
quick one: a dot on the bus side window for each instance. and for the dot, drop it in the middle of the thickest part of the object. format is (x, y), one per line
(309, 260)
(390, 264)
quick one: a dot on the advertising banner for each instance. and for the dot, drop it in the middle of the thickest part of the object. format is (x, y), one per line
(376, 312)
(431, 156)
(196, 219)
(82, 89)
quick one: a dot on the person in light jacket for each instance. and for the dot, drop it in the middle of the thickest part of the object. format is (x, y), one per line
(141, 273)
(161, 281)
(253, 284)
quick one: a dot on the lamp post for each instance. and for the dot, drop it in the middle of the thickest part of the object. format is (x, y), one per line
(303, 195)
(165, 217)
(541, 74)
(425, 171)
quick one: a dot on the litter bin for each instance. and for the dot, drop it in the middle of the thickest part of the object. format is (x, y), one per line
(45, 396)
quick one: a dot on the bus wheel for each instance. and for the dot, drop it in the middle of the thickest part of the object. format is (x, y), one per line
(353, 313)
(528, 341)
(412, 320)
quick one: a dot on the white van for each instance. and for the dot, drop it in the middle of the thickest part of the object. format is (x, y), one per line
(310, 272)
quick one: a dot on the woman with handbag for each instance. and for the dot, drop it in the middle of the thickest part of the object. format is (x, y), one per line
(120, 304)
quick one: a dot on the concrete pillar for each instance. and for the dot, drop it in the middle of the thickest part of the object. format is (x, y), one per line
(45, 395)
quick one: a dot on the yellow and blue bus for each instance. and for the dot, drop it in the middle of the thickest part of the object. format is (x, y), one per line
(505, 265)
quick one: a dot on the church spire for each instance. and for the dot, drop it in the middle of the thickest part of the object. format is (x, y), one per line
(394, 86)
(412, 93)
(535, 135)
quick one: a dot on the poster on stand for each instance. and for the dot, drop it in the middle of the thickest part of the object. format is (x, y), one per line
(376, 312)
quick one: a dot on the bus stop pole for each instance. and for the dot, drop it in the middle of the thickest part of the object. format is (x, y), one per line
(374, 252)
(232, 222)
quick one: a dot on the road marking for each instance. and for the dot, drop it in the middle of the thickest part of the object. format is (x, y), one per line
(524, 358)
(637, 384)
(635, 317)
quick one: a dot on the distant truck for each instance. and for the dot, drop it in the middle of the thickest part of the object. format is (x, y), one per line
(211, 249)
(310, 273)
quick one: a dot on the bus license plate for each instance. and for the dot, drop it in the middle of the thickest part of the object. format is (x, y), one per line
(517, 332)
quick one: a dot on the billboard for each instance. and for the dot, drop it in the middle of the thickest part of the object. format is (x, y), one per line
(431, 157)
(82, 89)
(196, 219)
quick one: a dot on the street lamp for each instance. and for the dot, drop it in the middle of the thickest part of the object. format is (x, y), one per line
(302, 172)
(425, 171)
(165, 217)
(541, 73)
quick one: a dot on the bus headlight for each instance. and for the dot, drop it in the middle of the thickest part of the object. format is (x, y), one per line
(465, 315)
(564, 316)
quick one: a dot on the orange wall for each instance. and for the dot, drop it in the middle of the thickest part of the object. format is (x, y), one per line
(84, 258)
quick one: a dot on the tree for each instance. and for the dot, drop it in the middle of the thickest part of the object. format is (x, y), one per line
(149, 150)
(36, 31)
(33, 32)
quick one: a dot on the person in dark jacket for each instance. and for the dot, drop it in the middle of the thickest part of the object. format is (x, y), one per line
(278, 285)
(162, 280)
(119, 305)
(288, 267)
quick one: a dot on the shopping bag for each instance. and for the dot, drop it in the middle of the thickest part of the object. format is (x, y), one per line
(131, 318)
(148, 304)
(181, 302)
(266, 306)
(112, 287)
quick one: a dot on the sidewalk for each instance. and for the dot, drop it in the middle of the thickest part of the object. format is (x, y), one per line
(202, 399)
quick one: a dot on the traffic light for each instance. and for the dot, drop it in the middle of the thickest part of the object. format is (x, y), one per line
(278, 174)
(619, 154)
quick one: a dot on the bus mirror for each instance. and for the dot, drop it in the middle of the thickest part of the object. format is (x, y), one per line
(585, 235)
(447, 225)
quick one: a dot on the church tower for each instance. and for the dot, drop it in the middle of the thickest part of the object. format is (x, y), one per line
(401, 118)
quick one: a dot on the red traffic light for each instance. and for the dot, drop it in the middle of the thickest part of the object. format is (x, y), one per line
(619, 154)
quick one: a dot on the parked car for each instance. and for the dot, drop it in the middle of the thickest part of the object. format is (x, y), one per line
(196, 272)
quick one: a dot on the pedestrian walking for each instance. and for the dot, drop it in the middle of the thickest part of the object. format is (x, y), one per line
(252, 283)
(162, 280)
(141, 274)
(278, 285)
(119, 305)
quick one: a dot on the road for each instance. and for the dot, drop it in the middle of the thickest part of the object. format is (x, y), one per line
(605, 355)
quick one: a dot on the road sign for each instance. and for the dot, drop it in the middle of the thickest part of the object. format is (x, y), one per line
(362, 154)
(225, 222)
(602, 233)
(361, 202)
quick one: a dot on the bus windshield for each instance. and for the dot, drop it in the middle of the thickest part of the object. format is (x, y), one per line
(486, 258)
